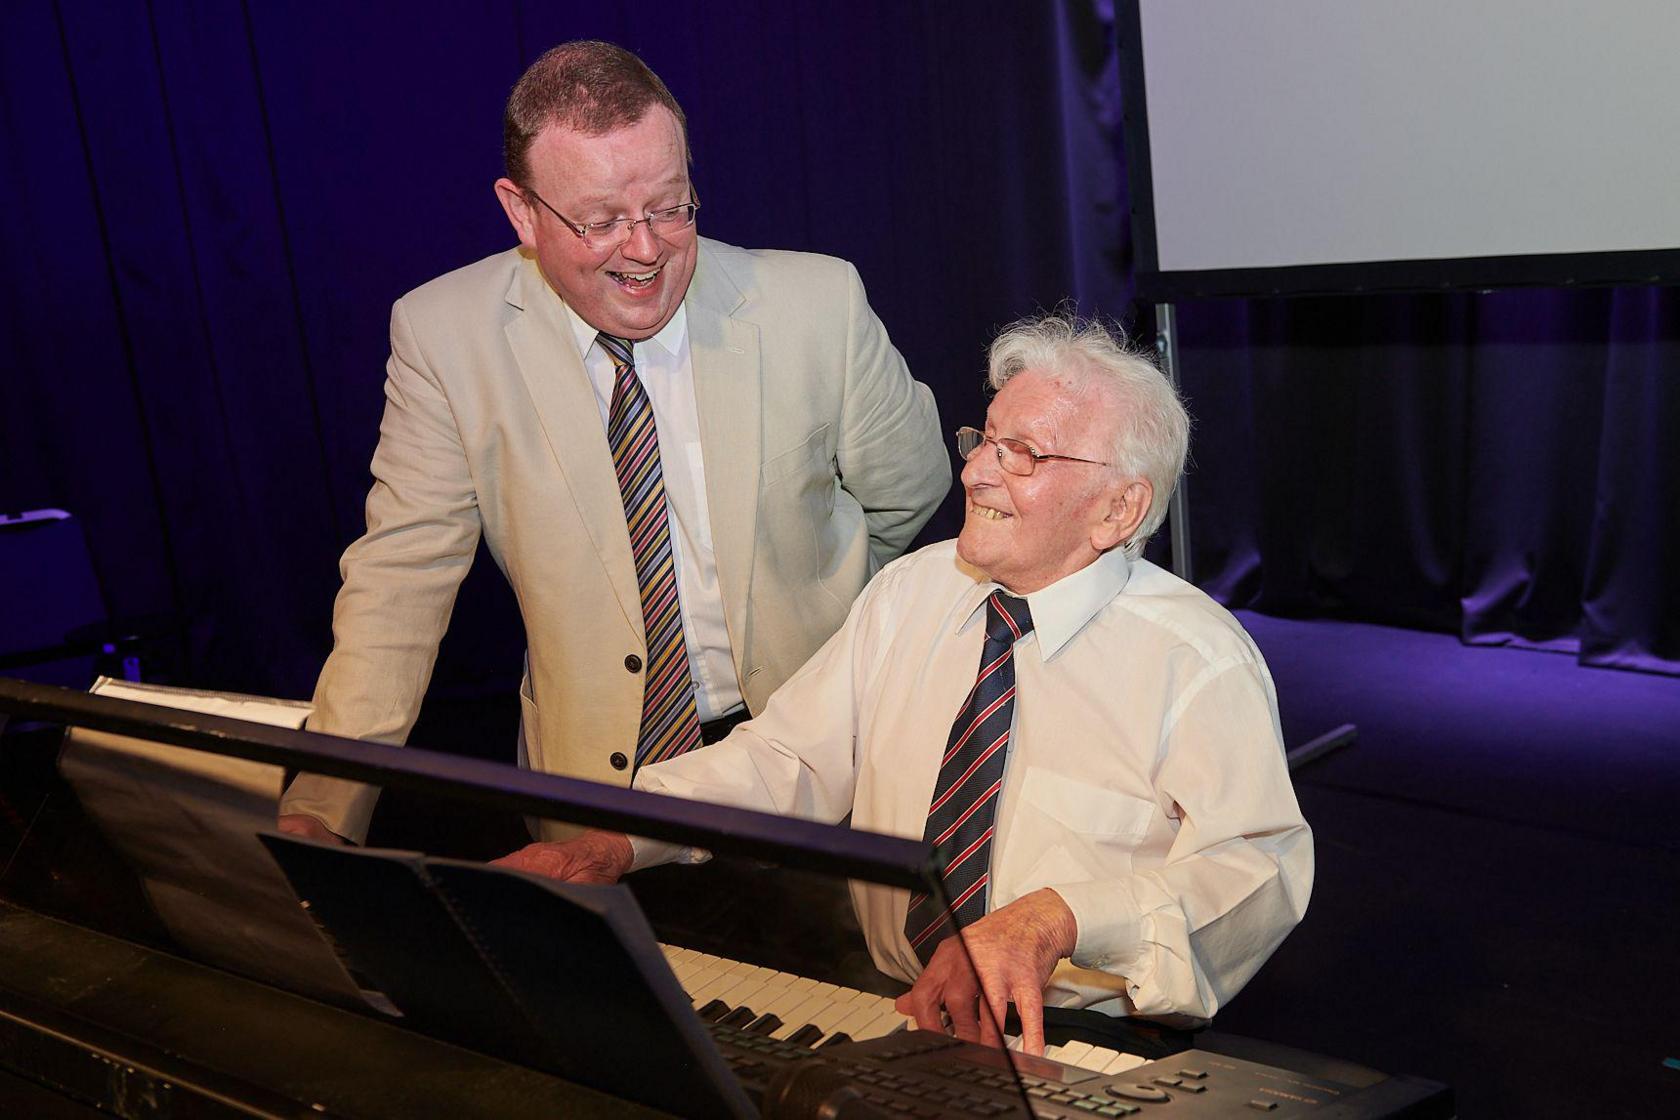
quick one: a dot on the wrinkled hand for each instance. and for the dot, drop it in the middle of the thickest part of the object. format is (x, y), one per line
(1015, 948)
(308, 827)
(594, 857)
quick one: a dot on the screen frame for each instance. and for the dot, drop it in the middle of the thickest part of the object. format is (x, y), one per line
(1157, 285)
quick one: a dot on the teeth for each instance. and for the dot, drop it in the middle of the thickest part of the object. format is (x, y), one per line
(989, 514)
(637, 277)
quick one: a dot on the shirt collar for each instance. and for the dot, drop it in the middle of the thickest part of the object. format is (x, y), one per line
(670, 337)
(1062, 609)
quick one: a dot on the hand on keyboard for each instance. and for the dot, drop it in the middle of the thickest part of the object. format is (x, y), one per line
(594, 857)
(1014, 949)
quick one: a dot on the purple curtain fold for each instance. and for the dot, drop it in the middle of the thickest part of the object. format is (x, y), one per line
(208, 209)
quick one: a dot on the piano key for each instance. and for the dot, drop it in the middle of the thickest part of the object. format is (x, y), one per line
(675, 953)
(823, 995)
(806, 1035)
(792, 995)
(702, 984)
(830, 1017)
(1069, 1053)
(886, 1020)
(764, 1024)
(762, 986)
(739, 1017)
(868, 1011)
(721, 985)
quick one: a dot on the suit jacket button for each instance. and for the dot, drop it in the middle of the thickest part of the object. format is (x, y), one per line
(633, 663)
(618, 760)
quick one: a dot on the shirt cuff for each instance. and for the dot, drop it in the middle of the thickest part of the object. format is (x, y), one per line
(1110, 925)
(652, 853)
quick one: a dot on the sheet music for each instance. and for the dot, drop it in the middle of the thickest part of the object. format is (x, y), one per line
(187, 822)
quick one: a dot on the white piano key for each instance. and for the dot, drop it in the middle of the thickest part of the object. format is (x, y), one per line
(699, 983)
(769, 991)
(828, 1018)
(721, 981)
(795, 991)
(822, 995)
(888, 1020)
(1068, 1053)
(685, 964)
(866, 1012)
(744, 984)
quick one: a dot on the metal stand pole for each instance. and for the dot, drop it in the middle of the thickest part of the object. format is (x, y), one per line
(1178, 523)
(1178, 511)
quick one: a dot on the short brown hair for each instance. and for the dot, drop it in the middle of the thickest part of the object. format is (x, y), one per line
(585, 85)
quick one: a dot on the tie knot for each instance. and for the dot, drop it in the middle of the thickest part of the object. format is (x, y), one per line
(1007, 618)
(618, 349)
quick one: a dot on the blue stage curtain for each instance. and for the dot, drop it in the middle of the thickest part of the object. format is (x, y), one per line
(208, 208)
(1496, 466)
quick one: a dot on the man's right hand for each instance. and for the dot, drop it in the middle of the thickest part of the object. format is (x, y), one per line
(594, 857)
(308, 827)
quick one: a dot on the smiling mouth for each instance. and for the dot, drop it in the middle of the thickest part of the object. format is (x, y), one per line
(636, 281)
(986, 512)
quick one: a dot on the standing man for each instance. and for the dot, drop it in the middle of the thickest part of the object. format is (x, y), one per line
(687, 458)
(1092, 743)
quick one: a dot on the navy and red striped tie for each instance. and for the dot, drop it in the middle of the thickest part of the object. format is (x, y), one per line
(670, 721)
(963, 813)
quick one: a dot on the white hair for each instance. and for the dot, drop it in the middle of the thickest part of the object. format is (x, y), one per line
(1153, 434)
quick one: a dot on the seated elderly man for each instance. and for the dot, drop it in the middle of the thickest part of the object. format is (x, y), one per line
(1112, 796)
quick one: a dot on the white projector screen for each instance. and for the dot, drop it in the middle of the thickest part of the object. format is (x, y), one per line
(1343, 145)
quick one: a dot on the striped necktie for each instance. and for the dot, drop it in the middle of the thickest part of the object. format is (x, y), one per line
(963, 812)
(670, 724)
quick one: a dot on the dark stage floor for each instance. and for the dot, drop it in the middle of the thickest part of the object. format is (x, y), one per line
(1498, 888)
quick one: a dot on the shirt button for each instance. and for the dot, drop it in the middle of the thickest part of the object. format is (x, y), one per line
(618, 760)
(633, 663)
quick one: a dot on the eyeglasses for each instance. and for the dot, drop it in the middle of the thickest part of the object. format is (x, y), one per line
(1013, 455)
(601, 236)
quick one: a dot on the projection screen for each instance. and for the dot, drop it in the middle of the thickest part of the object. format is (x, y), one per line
(1282, 146)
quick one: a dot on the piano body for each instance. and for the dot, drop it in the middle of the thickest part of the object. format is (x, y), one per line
(109, 1019)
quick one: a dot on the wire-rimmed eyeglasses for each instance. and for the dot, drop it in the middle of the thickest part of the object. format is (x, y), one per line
(1012, 455)
(601, 236)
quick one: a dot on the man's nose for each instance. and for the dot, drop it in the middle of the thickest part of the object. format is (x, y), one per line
(982, 467)
(643, 244)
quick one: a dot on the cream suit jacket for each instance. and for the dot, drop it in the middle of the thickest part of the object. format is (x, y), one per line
(822, 460)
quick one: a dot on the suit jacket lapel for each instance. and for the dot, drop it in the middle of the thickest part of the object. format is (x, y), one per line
(546, 352)
(727, 393)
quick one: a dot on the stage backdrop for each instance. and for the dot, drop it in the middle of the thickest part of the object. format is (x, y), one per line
(207, 209)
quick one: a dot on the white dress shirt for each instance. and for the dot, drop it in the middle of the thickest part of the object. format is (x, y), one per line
(1145, 782)
(662, 363)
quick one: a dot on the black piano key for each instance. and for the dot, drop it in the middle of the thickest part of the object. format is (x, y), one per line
(764, 1024)
(739, 1017)
(714, 1011)
(806, 1035)
(835, 1039)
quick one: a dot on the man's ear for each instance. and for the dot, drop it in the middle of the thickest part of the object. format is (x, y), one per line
(1127, 508)
(518, 211)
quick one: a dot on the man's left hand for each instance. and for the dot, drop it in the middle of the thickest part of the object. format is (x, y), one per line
(594, 857)
(1015, 948)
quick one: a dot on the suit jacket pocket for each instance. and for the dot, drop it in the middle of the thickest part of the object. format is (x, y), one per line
(806, 458)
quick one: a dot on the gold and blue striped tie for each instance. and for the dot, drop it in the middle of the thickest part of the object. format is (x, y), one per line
(670, 723)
